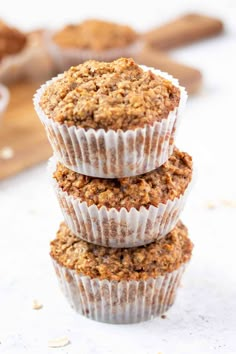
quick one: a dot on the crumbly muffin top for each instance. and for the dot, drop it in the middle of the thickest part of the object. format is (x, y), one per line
(166, 182)
(12, 40)
(116, 95)
(157, 258)
(95, 35)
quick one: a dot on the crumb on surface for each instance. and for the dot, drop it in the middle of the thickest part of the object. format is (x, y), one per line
(221, 203)
(6, 153)
(228, 203)
(37, 305)
(210, 205)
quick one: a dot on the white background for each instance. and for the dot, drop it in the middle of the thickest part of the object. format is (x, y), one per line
(203, 319)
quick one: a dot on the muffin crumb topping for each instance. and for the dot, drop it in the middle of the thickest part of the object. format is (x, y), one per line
(138, 263)
(116, 95)
(166, 182)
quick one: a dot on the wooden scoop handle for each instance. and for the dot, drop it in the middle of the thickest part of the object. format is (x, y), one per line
(184, 30)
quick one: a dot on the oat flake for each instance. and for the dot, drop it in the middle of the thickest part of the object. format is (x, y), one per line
(58, 342)
(37, 305)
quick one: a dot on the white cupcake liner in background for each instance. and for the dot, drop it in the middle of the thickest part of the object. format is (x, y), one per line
(31, 63)
(13, 67)
(118, 228)
(122, 301)
(113, 154)
(4, 99)
(64, 58)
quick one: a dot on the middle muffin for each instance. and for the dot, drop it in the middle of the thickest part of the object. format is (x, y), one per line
(125, 212)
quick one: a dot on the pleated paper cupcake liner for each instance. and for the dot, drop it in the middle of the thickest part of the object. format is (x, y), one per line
(113, 154)
(118, 228)
(4, 99)
(119, 301)
(64, 58)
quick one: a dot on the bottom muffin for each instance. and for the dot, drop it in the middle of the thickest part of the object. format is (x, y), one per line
(120, 285)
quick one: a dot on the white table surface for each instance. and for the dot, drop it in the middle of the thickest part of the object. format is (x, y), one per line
(203, 319)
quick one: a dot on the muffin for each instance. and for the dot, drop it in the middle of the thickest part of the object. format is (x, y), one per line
(124, 212)
(12, 46)
(21, 54)
(4, 99)
(120, 285)
(92, 39)
(12, 41)
(111, 120)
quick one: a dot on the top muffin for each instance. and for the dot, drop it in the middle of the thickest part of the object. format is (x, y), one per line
(95, 35)
(116, 95)
(12, 41)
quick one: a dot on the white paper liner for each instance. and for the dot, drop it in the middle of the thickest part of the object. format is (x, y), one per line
(118, 228)
(113, 154)
(4, 99)
(64, 58)
(119, 302)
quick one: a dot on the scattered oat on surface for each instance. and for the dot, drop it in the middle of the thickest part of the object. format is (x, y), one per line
(221, 203)
(137, 263)
(95, 35)
(37, 305)
(228, 203)
(166, 182)
(116, 95)
(6, 153)
(210, 205)
(58, 342)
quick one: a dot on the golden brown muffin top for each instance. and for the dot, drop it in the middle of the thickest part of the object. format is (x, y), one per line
(95, 35)
(166, 182)
(137, 263)
(12, 40)
(116, 95)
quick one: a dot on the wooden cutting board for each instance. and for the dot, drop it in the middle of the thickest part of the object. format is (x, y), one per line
(23, 141)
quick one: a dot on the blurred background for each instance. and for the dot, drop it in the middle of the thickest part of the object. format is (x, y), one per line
(204, 318)
(140, 15)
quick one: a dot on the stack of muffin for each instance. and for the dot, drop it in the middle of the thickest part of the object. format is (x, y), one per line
(121, 184)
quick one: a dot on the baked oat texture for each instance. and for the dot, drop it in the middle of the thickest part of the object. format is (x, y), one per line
(115, 95)
(12, 40)
(95, 35)
(166, 182)
(138, 263)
